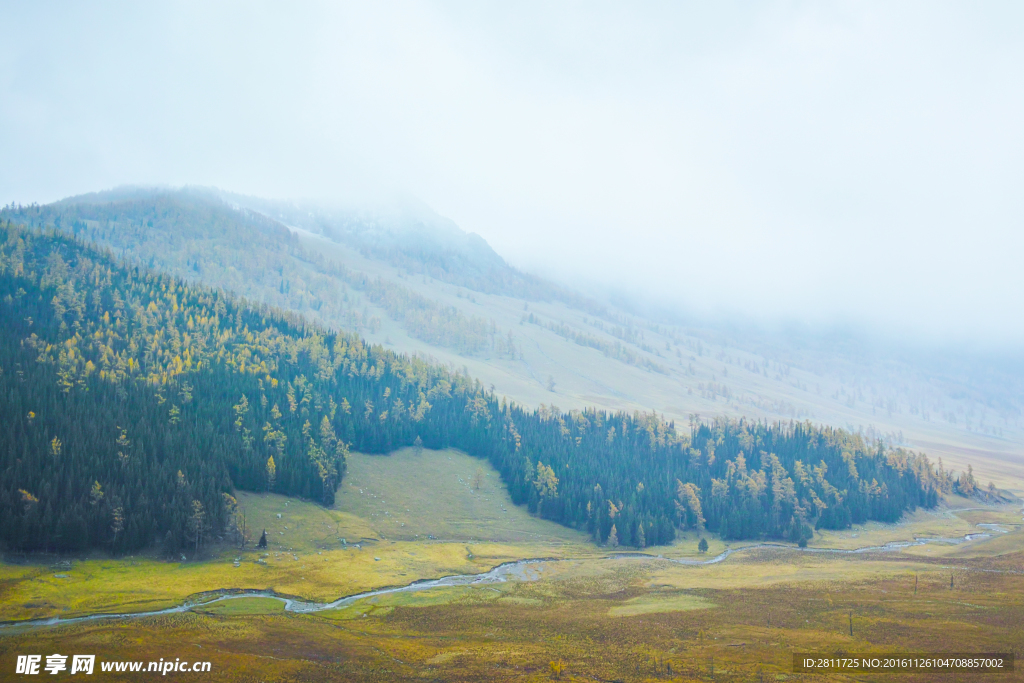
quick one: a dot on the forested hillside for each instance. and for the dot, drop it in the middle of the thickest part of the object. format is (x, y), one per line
(400, 279)
(135, 403)
(194, 235)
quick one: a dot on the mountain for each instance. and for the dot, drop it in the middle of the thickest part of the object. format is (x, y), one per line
(409, 235)
(137, 403)
(402, 277)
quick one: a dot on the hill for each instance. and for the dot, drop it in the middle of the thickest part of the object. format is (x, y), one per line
(409, 280)
(127, 396)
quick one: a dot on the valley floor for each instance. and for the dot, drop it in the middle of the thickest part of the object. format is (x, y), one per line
(594, 613)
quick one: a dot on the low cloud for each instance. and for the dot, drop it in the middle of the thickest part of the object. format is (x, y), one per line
(854, 162)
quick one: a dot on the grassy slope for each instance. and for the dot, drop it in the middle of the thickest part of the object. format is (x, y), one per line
(406, 496)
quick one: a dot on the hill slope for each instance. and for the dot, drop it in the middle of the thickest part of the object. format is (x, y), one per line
(127, 394)
(349, 270)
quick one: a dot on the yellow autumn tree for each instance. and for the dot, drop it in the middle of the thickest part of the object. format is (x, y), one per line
(546, 482)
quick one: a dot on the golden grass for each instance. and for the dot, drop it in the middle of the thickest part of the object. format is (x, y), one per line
(32, 592)
(610, 618)
(604, 622)
(769, 568)
(1006, 514)
(938, 523)
(998, 544)
(380, 605)
(654, 603)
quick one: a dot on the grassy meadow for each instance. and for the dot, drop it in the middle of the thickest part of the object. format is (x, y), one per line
(609, 620)
(444, 495)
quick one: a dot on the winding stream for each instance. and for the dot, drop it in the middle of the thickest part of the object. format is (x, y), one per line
(520, 570)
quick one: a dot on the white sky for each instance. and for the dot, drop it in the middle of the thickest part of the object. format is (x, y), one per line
(856, 162)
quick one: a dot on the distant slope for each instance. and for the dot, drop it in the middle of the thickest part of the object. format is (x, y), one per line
(411, 236)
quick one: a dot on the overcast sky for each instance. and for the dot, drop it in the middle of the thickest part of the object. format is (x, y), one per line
(845, 162)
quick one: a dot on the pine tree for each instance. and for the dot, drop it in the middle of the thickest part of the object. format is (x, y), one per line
(197, 523)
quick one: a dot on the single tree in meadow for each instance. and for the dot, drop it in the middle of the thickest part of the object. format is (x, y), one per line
(703, 545)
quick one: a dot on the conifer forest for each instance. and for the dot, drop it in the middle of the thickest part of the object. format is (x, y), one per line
(138, 404)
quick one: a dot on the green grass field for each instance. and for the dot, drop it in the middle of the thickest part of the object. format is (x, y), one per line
(240, 606)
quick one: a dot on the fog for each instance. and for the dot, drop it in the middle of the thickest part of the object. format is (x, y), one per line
(856, 164)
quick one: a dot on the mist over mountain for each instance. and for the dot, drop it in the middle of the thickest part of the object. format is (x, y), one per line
(851, 165)
(407, 227)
